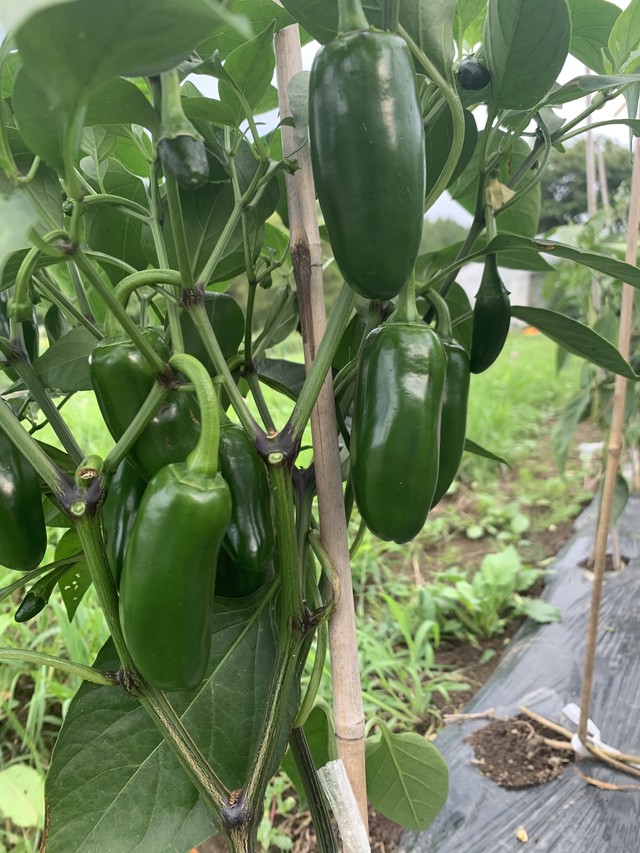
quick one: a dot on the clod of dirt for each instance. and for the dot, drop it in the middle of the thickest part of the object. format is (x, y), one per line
(514, 753)
(609, 565)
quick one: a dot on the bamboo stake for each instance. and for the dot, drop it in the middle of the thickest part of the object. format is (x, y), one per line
(306, 255)
(613, 458)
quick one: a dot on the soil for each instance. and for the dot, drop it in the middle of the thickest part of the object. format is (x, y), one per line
(516, 752)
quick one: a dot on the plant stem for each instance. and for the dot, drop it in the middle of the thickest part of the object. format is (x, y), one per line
(31, 450)
(126, 205)
(327, 842)
(179, 233)
(112, 303)
(66, 307)
(321, 363)
(203, 326)
(106, 679)
(203, 459)
(133, 282)
(406, 311)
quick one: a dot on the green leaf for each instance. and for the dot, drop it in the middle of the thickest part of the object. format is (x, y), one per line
(620, 498)
(22, 796)
(15, 12)
(284, 376)
(65, 365)
(580, 87)
(318, 17)
(591, 25)
(593, 260)
(209, 110)
(144, 801)
(121, 102)
(460, 306)
(259, 14)
(438, 139)
(42, 128)
(538, 610)
(251, 68)
(526, 43)
(281, 320)
(468, 12)
(625, 35)
(473, 447)
(407, 778)
(126, 40)
(77, 580)
(576, 338)
(17, 215)
(321, 738)
(227, 321)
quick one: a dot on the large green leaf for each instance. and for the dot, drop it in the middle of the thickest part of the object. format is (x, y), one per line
(591, 25)
(65, 365)
(44, 130)
(580, 87)
(251, 68)
(407, 778)
(526, 44)
(625, 35)
(126, 39)
(438, 139)
(14, 12)
(575, 338)
(115, 785)
(121, 102)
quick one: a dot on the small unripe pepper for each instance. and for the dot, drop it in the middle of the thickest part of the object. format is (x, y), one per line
(169, 571)
(395, 439)
(367, 152)
(455, 399)
(491, 318)
(119, 513)
(180, 147)
(473, 75)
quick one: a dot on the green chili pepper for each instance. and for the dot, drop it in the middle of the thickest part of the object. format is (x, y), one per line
(119, 513)
(232, 581)
(180, 147)
(38, 596)
(169, 570)
(367, 152)
(453, 424)
(122, 379)
(23, 535)
(491, 318)
(29, 333)
(395, 440)
(249, 538)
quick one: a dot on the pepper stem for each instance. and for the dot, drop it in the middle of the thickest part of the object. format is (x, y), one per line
(351, 16)
(443, 322)
(406, 310)
(203, 459)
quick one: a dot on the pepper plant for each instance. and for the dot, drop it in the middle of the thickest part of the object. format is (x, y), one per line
(132, 198)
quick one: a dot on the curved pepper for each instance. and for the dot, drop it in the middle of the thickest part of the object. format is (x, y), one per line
(455, 399)
(119, 513)
(395, 440)
(169, 570)
(23, 535)
(122, 379)
(491, 318)
(367, 152)
(233, 581)
(249, 539)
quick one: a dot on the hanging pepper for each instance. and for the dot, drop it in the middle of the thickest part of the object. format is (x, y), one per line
(169, 570)
(119, 513)
(122, 379)
(453, 424)
(38, 596)
(249, 538)
(395, 440)
(233, 581)
(367, 152)
(491, 318)
(23, 535)
(180, 147)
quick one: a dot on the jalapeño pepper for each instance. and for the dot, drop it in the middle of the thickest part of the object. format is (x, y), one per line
(169, 571)
(367, 152)
(119, 513)
(491, 318)
(395, 440)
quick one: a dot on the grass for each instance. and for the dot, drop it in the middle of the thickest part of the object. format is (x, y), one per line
(509, 413)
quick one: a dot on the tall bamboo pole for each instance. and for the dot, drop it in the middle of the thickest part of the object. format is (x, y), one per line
(614, 450)
(306, 255)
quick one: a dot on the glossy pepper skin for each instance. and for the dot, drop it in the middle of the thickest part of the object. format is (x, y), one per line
(119, 513)
(395, 440)
(122, 379)
(491, 318)
(184, 158)
(453, 424)
(232, 581)
(249, 539)
(367, 153)
(473, 75)
(168, 577)
(23, 535)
